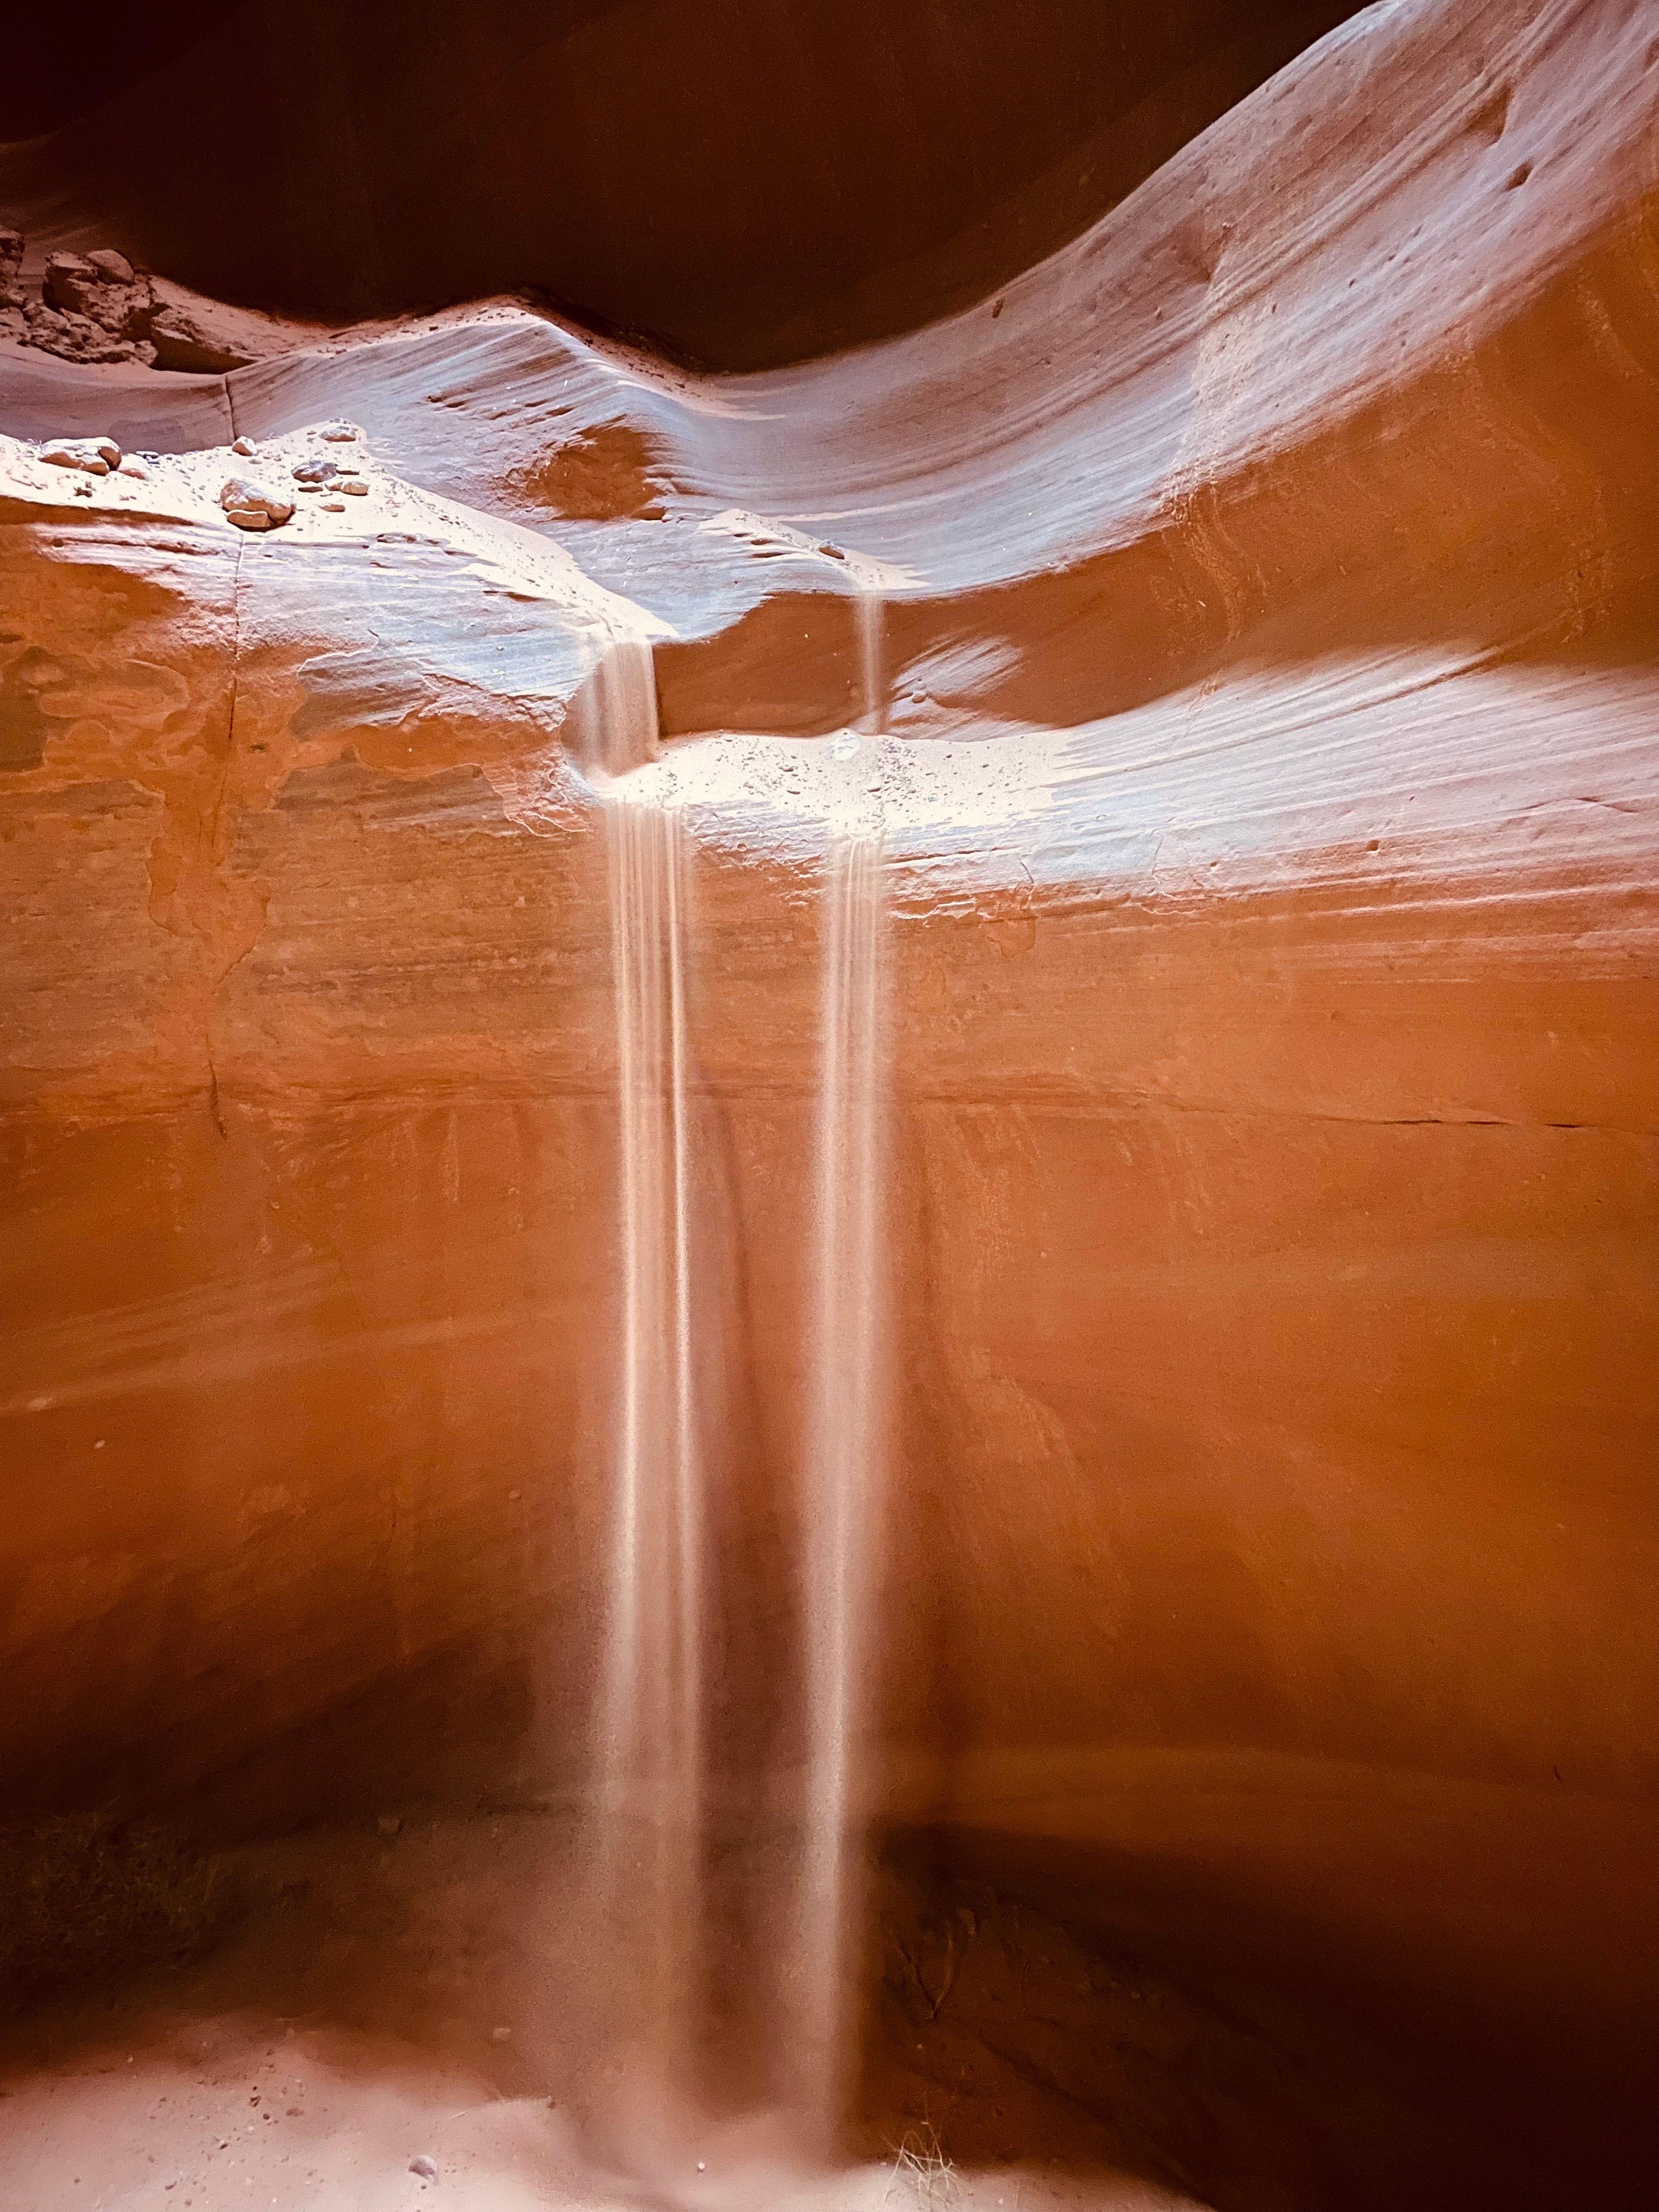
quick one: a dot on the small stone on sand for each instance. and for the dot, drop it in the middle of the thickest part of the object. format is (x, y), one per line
(97, 456)
(425, 2167)
(250, 507)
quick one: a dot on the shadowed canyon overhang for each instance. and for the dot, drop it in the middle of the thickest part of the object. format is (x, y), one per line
(739, 181)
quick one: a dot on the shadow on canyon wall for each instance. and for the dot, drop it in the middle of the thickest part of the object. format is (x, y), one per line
(740, 182)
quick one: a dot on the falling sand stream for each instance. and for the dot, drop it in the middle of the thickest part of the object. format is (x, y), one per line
(842, 1504)
(649, 1849)
(649, 1841)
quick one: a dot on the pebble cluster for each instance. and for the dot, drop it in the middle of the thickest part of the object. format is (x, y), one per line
(251, 504)
(247, 500)
(322, 473)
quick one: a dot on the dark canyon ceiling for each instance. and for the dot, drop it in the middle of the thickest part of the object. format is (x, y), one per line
(738, 182)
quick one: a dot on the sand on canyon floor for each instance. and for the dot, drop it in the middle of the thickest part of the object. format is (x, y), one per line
(392, 2023)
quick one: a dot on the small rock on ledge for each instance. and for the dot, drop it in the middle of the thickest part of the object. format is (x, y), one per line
(250, 507)
(97, 456)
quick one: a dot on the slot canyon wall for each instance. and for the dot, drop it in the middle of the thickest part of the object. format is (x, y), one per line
(1263, 516)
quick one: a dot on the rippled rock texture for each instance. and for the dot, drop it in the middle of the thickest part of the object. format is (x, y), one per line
(1267, 678)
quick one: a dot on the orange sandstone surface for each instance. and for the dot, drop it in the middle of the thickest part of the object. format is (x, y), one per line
(1266, 680)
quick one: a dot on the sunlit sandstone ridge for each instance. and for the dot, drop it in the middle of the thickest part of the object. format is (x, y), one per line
(1266, 775)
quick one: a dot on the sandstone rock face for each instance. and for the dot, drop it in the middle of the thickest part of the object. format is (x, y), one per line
(181, 343)
(1267, 683)
(103, 287)
(96, 308)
